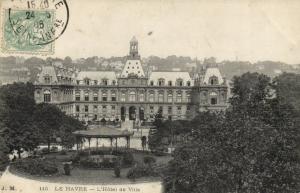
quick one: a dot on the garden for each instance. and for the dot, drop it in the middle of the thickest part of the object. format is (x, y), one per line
(90, 167)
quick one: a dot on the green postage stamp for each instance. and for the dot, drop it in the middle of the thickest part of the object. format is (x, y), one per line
(28, 31)
(33, 26)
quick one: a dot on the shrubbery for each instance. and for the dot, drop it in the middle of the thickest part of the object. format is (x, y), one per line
(141, 171)
(127, 159)
(149, 160)
(4, 161)
(39, 167)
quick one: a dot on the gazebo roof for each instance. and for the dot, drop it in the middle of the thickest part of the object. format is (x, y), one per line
(102, 132)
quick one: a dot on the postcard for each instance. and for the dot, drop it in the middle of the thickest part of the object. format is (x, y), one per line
(136, 96)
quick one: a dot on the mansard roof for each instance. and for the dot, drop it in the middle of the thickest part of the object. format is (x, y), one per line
(97, 75)
(210, 72)
(170, 76)
(47, 71)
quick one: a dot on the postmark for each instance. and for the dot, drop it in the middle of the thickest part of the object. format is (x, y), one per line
(33, 26)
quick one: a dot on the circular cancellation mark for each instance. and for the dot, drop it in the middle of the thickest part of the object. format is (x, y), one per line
(37, 22)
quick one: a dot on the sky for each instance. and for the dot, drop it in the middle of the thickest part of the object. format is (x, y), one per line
(226, 29)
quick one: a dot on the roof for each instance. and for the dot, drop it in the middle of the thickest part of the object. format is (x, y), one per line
(47, 71)
(102, 132)
(133, 39)
(170, 76)
(213, 72)
(97, 75)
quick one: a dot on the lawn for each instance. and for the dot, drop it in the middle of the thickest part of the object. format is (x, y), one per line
(81, 175)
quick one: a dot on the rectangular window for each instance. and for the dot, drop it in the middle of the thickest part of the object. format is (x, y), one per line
(86, 108)
(104, 110)
(123, 97)
(77, 108)
(95, 108)
(169, 110)
(179, 110)
(47, 97)
(113, 96)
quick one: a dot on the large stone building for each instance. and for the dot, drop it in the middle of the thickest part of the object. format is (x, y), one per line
(134, 94)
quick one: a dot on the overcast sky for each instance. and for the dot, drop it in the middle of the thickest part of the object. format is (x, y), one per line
(228, 29)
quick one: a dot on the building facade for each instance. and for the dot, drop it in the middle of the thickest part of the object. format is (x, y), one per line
(133, 94)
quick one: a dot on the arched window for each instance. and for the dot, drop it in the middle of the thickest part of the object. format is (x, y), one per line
(151, 96)
(77, 96)
(141, 98)
(170, 97)
(213, 98)
(86, 96)
(123, 96)
(188, 97)
(213, 80)
(95, 96)
(104, 96)
(161, 96)
(113, 96)
(132, 96)
(179, 97)
(47, 96)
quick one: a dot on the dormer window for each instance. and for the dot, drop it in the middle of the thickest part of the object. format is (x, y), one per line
(104, 82)
(161, 82)
(47, 79)
(87, 81)
(188, 83)
(213, 80)
(179, 82)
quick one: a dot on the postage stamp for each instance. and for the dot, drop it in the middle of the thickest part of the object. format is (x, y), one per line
(33, 26)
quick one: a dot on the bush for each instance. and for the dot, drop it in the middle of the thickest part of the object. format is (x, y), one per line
(149, 160)
(44, 150)
(117, 170)
(39, 167)
(128, 159)
(54, 149)
(63, 152)
(140, 171)
(75, 158)
(4, 161)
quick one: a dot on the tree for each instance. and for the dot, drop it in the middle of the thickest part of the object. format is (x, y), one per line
(287, 87)
(68, 126)
(48, 119)
(16, 112)
(67, 62)
(240, 150)
(4, 150)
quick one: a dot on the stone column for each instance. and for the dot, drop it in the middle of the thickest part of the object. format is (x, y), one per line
(126, 113)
